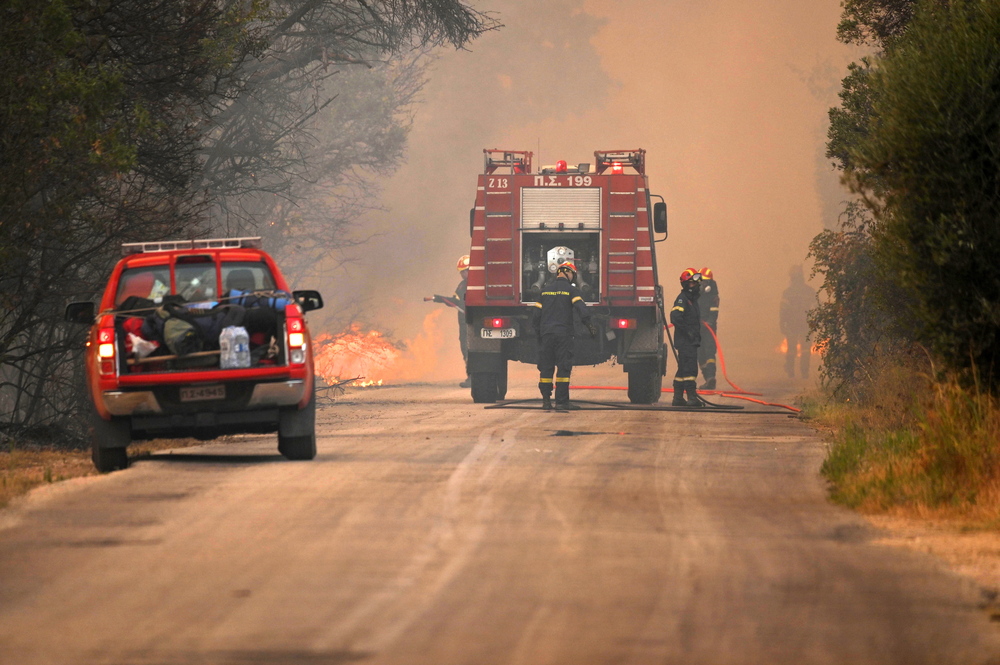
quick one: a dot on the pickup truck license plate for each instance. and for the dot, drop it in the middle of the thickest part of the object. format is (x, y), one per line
(499, 333)
(202, 393)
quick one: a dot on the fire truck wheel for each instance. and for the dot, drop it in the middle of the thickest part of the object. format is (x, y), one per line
(297, 432)
(645, 383)
(485, 387)
(109, 441)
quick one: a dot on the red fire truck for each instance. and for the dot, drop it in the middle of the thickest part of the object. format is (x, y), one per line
(602, 217)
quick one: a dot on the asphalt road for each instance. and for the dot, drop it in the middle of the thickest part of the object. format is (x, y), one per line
(430, 530)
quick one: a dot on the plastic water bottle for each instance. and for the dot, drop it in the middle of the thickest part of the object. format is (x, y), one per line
(234, 347)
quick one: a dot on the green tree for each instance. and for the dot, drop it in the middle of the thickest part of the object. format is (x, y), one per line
(102, 104)
(143, 119)
(876, 23)
(862, 315)
(930, 170)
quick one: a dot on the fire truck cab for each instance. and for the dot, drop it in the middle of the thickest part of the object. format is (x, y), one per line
(602, 217)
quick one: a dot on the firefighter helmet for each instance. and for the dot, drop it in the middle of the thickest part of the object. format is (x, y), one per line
(463, 263)
(706, 273)
(566, 266)
(689, 275)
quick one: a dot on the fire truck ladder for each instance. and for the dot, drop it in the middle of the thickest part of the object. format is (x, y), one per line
(498, 219)
(621, 261)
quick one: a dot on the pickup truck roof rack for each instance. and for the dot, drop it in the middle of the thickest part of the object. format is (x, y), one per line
(129, 248)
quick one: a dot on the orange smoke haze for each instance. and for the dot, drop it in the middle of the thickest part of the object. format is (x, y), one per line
(729, 99)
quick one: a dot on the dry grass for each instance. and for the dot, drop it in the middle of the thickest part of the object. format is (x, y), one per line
(27, 467)
(916, 448)
(23, 470)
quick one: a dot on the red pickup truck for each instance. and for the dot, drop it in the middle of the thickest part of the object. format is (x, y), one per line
(198, 338)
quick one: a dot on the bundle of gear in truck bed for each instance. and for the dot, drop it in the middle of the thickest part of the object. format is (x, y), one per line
(242, 330)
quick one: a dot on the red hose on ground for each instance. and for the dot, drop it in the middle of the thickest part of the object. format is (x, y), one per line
(738, 394)
(722, 362)
(720, 393)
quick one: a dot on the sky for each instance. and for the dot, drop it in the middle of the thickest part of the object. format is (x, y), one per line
(729, 99)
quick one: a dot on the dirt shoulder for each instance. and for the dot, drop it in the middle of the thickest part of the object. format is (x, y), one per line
(973, 554)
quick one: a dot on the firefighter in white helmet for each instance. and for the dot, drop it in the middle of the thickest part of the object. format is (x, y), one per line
(553, 324)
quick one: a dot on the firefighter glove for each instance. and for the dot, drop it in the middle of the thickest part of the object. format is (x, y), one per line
(592, 329)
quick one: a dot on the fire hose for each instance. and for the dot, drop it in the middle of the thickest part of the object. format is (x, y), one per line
(739, 393)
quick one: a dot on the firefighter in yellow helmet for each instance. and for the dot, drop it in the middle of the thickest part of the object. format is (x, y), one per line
(708, 305)
(553, 324)
(686, 320)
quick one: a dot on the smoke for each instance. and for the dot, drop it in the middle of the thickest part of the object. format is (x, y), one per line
(729, 99)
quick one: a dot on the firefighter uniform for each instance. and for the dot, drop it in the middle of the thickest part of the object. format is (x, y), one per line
(553, 323)
(686, 319)
(797, 299)
(463, 333)
(709, 306)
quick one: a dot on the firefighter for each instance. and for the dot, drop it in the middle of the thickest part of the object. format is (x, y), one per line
(463, 333)
(796, 300)
(687, 337)
(553, 324)
(709, 307)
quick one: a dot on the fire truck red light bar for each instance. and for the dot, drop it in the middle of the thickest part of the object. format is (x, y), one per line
(624, 324)
(496, 322)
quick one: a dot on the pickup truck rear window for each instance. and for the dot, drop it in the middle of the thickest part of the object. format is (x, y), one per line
(147, 282)
(246, 276)
(197, 281)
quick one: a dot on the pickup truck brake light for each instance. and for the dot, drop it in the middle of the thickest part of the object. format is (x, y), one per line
(106, 347)
(295, 325)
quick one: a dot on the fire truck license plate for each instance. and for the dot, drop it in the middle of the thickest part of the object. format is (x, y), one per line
(499, 333)
(202, 393)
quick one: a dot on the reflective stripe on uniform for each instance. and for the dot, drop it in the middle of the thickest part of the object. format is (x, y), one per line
(562, 379)
(685, 378)
(577, 299)
(544, 380)
(713, 309)
(710, 360)
(677, 308)
(538, 305)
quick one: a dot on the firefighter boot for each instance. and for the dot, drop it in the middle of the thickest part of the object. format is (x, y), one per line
(678, 394)
(546, 403)
(562, 394)
(692, 392)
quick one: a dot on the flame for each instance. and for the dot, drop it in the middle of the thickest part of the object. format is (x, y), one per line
(816, 349)
(368, 358)
(353, 354)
